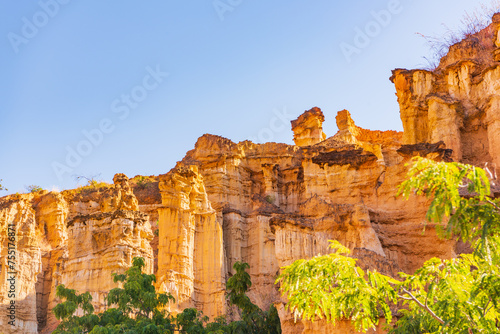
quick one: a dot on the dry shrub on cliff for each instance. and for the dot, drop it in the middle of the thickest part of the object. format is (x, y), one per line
(33, 188)
(470, 25)
(142, 182)
(93, 184)
(92, 181)
(146, 189)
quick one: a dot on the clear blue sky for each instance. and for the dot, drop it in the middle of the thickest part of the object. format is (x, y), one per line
(73, 66)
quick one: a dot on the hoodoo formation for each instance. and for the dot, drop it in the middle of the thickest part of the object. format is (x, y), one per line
(265, 204)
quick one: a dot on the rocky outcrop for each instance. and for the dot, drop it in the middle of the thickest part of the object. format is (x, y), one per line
(308, 128)
(102, 244)
(51, 214)
(297, 198)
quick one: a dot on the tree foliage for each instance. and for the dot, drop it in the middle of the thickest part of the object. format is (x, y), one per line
(138, 297)
(333, 287)
(1, 186)
(137, 308)
(253, 319)
(443, 296)
(65, 311)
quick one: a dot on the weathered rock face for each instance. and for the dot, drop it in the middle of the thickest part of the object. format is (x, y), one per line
(77, 238)
(265, 204)
(280, 203)
(102, 244)
(458, 103)
(190, 250)
(21, 263)
(51, 214)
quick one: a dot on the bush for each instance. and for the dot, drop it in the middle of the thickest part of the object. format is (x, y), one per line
(143, 182)
(270, 199)
(33, 188)
(92, 181)
(470, 24)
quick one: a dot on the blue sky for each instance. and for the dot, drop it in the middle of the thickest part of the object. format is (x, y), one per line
(102, 87)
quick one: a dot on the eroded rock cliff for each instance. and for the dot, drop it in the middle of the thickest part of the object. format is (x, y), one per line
(280, 203)
(190, 250)
(266, 204)
(77, 238)
(458, 103)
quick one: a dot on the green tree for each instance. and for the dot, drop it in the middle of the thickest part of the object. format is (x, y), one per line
(253, 319)
(443, 296)
(139, 309)
(65, 311)
(138, 297)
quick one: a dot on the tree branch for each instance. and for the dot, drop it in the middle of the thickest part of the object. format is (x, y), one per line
(405, 298)
(425, 307)
(494, 204)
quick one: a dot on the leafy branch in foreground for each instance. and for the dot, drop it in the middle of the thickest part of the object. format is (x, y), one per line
(333, 287)
(443, 296)
(461, 193)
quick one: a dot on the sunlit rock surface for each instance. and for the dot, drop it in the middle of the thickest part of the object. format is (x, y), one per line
(266, 204)
(77, 238)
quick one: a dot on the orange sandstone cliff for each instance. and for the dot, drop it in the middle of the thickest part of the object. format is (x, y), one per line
(266, 204)
(77, 238)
